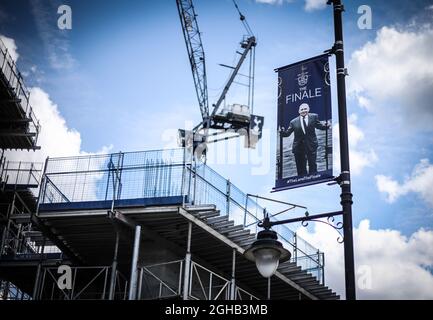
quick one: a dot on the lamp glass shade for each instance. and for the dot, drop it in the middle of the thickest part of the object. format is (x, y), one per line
(267, 260)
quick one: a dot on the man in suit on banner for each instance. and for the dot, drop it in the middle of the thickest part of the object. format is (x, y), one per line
(305, 143)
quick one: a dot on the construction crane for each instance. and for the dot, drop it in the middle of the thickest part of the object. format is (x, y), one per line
(233, 120)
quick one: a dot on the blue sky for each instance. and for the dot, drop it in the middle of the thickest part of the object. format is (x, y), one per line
(121, 78)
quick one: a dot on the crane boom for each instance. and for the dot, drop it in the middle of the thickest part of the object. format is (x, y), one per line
(196, 55)
(247, 45)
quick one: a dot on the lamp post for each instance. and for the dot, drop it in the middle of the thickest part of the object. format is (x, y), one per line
(344, 178)
(266, 250)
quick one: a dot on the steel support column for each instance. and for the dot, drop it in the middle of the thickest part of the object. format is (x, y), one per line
(186, 271)
(112, 292)
(133, 279)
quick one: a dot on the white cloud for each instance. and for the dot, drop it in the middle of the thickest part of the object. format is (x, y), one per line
(394, 75)
(420, 181)
(55, 138)
(272, 2)
(359, 157)
(311, 5)
(11, 46)
(388, 264)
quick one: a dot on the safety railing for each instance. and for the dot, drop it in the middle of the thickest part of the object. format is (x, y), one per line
(160, 281)
(85, 283)
(13, 78)
(119, 176)
(14, 241)
(166, 280)
(210, 187)
(21, 173)
(244, 295)
(158, 174)
(207, 285)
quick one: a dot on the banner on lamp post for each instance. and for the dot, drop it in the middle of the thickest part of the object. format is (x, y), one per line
(304, 133)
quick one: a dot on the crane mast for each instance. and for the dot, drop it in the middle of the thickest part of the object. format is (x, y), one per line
(196, 54)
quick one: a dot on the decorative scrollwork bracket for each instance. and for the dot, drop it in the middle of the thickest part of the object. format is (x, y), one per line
(330, 221)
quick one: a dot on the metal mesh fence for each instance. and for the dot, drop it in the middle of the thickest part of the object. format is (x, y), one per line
(120, 176)
(21, 173)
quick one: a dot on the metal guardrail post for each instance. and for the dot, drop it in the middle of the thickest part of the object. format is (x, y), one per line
(119, 173)
(179, 288)
(140, 284)
(233, 280)
(111, 294)
(36, 288)
(182, 182)
(228, 197)
(6, 171)
(246, 209)
(30, 173)
(42, 188)
(195, 181)
(322, 268)
(18, 173)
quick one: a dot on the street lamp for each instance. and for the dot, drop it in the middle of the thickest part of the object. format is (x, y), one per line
(267, 252)
(269, 240)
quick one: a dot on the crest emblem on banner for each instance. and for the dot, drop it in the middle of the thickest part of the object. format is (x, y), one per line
(303, 77)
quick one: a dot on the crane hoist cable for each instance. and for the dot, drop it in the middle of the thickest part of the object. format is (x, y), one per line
(243, 19)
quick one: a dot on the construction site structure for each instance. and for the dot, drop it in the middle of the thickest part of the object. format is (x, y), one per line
(130, 225)
(150, 225)
(19, 130)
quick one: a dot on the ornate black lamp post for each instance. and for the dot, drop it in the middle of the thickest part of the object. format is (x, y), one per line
(267, 251)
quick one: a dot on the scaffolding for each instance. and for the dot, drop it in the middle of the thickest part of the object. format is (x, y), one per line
(19, 127)
(131, 178)
(91, 208)
(19, 181)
